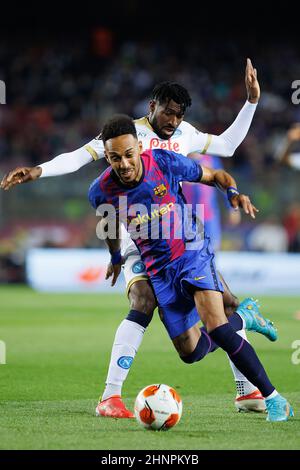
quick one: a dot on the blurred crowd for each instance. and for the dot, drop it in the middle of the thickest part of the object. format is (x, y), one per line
(60, 91)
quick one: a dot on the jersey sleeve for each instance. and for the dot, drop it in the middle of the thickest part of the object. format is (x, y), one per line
(95, 194)
(72, 161)
(226, 143)
(198, 141)
(66, 163)
(95, 148)
(179, 166)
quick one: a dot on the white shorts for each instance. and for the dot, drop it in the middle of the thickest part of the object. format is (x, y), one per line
(134, 270)
(127, 244)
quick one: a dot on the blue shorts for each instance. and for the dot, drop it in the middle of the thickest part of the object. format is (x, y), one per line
(173, 285)
(213, 231)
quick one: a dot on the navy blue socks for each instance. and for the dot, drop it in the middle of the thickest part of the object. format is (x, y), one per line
(243, 356)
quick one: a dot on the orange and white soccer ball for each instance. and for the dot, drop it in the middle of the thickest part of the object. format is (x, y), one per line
(158, 407)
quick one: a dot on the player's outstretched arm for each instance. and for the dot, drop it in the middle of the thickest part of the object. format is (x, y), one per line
(61, 165)
(226, 143)
(225, 182)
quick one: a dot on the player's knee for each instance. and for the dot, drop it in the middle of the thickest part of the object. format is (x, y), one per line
(188, 359)
(141, 298)
(197, 354)
(139, 317)
(144, 304)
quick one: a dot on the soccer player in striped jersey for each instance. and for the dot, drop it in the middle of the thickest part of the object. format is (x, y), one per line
(163, 128)
(177, 255)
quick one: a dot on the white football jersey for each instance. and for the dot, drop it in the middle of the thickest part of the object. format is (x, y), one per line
(185, 139)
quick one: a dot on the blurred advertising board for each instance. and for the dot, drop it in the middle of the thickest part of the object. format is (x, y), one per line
(70, 270)
(83, 270)
(261, 273)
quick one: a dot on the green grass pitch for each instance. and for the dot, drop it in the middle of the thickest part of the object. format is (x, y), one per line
(58, 349)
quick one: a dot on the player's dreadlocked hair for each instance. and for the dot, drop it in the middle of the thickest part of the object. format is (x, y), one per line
(166, 91)
(119, 124)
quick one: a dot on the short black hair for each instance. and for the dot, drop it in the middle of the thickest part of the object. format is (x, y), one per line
(119, 124)
(166, 91)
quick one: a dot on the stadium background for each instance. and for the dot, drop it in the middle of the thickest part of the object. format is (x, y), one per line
(66, 70)
(63, 80)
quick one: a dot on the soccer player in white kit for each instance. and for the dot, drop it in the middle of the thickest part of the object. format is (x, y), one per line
(165, 128)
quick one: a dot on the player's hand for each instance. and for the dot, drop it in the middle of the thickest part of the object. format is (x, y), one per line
(113, 270)
(20, 175)
(252, 85)
(243, 201)
(293, 134)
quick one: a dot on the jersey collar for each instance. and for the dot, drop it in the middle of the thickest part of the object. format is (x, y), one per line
(144, 122)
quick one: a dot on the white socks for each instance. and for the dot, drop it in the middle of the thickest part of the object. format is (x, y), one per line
(127, 341)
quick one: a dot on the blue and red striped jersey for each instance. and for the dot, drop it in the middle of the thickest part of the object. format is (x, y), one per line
(153, 210)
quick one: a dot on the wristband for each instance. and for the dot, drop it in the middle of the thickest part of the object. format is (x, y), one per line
(231, 191)
(116, 257)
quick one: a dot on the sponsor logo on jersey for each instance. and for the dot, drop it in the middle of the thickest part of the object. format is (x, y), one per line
(160, 190)
(145, 218)
(142, 134)
(156, 143)
(138, 267)
(125, 362)
(177, 133)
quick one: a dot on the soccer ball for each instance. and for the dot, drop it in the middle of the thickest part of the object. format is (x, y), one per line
(158, 407)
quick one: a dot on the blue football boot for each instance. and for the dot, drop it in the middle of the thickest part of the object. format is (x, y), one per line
(278, 409)
(254, 320)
